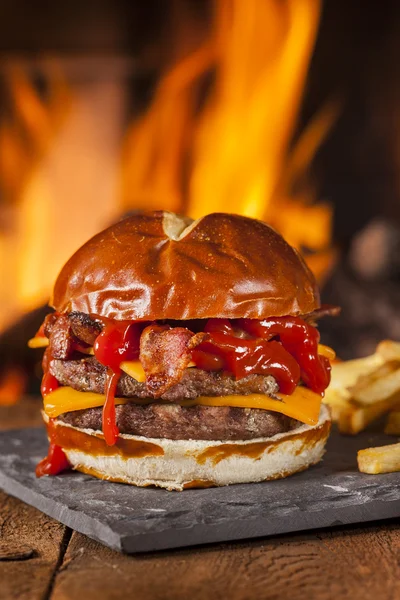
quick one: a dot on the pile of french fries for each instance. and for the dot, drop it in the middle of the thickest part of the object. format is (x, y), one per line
(363, 390)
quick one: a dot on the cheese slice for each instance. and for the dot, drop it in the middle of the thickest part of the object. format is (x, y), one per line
(303, 404)
(87, 351)
(326, 351)
(38, 342)
(66, 399)
(134, 369)
(42, 342)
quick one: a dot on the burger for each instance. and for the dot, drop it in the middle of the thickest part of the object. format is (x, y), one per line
(184, 354)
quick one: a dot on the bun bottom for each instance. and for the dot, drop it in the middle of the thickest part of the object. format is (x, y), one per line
(181, 464)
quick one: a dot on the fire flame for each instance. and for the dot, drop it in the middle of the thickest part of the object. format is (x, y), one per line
(28, 124)
(218, 136)
(233, 154)
(59, 160)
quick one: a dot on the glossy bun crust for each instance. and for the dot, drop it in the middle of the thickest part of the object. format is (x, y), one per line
(157, 265)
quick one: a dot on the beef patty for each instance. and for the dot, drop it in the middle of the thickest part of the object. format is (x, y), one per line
(88, 375)
(175, 422)
(170, 420)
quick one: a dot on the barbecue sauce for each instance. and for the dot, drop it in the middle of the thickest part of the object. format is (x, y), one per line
(118, 342)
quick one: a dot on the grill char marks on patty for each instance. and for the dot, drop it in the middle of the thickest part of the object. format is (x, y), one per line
(88, 375)
(175, 422)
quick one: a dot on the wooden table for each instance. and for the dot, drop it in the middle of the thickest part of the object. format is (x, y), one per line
(41, 559)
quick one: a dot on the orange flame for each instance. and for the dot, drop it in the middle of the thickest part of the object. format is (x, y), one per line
(12, 386)
(28, 125)
(233, 154)
(229, 149)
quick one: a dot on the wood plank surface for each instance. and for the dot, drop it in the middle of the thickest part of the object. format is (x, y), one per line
(31, 547)
(26, 413)
(31, 544)
(356, 563)
(40, 560)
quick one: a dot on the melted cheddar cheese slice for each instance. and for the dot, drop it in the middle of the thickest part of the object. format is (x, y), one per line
(326, 351)
(38, 342)
(303, 404)
(66, 399)
(134, 369)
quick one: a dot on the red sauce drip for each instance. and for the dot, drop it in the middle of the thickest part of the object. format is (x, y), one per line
(284, 347)
(49, 384)
(243, 357)
(301, 340)
(119, 341)
(56, 461)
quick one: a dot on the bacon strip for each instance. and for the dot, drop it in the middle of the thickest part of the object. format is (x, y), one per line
(61, 339)
(165, 353)
(48, 323)
(326, 310)
(84, 327)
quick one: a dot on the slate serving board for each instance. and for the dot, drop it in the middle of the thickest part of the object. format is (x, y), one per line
(133, 519)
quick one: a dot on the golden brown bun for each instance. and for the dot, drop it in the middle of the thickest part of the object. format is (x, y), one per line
(157, 265)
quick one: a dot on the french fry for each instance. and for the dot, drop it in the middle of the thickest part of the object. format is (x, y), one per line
(345, 374)
(393, 422)
(380, 384)
(364, 389)
(389, 350)
(385, 459)
(338, 396)
(356, 417)
(337, 403)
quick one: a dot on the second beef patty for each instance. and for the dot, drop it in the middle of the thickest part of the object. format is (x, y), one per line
(88, 375)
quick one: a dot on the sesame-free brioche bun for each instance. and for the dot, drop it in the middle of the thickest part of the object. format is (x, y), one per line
(157, 265)
(182, 464)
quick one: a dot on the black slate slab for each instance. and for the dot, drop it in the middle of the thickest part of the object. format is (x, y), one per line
(142, 519)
